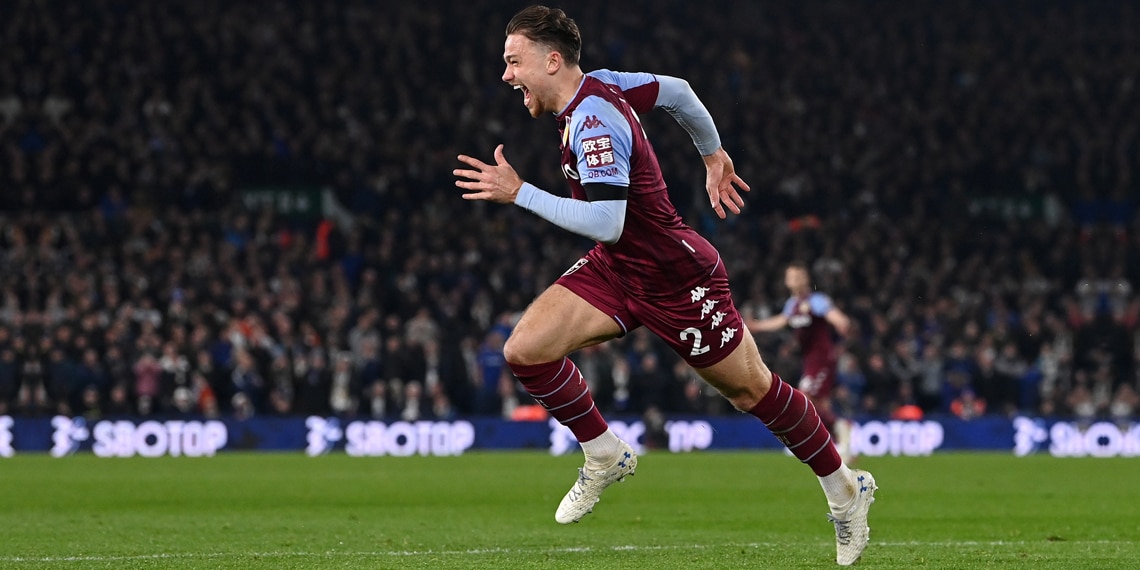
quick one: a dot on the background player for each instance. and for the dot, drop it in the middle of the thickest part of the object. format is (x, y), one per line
(815, 321)
(648, 267)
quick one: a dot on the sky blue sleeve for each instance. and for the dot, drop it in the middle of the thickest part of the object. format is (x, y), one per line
(646, 91)
(640, 90)
(623, 79)
(820, 304)
(789, 307)
(602, 139)
(678, 99)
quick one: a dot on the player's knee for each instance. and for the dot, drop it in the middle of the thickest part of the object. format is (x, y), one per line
(744, 401)
(514, 351)
(518, 351)
(746, 396)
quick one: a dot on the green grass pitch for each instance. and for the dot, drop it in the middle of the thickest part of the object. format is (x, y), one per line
(496, 510)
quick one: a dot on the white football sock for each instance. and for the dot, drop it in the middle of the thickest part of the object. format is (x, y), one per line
(601, 450)
(839, 487)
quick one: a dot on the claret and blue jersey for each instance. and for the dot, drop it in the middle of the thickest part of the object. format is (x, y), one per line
(807, 318)
(604, 143)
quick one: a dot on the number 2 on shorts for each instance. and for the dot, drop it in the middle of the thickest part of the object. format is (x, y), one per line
(697, 348)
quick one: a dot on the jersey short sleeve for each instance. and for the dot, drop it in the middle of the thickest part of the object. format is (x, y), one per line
(820, 304)
(639, 89)
(602, 139)
(789, 307)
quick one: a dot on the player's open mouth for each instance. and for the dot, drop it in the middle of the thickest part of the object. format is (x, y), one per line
(526, 94)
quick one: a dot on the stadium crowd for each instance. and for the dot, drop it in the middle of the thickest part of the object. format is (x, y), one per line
(958, 174)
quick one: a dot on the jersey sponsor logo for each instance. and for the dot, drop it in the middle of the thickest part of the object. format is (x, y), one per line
(591, 122)
(569, 172)
(602, 173)
(598, 151)
(799, 321)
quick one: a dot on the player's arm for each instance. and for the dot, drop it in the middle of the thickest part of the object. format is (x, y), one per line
(773, 323)
(603, 149)
(677, 97)
(770, 324)
(822, 306)
(602, 218)
(645, 91)
(839, 320)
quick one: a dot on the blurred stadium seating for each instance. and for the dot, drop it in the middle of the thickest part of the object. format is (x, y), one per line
(247, 208)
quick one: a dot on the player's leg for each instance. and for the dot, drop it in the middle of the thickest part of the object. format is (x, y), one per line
(746, 381)
(817, 383)
(704, 327)
(557, 323)
(579, 310)
(744, 378)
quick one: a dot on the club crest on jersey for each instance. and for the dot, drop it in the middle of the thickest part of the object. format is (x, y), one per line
(591, 122)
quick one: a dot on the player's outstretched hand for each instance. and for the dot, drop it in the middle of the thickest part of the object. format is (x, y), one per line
(721, 182)
(495, 182)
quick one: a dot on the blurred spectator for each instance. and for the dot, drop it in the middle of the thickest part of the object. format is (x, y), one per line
(379, 402)
(882, 392)
(147, 383)
(1124, 403)
(314, 385)
(928, 390)
(9, 380)
(415, 406)
(441, 408)
(967, 405)
(491, 375)
(248, 380)
(850, 386)
(343, 400)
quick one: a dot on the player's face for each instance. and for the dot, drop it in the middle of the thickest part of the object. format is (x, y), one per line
(796, 280)
(527, 71)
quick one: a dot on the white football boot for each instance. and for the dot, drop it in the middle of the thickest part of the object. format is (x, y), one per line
(851, 530)
(587, 490)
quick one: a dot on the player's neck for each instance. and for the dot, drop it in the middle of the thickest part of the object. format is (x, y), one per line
(567, 88)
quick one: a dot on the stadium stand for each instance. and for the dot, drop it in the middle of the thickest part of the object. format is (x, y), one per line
(247, 208)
